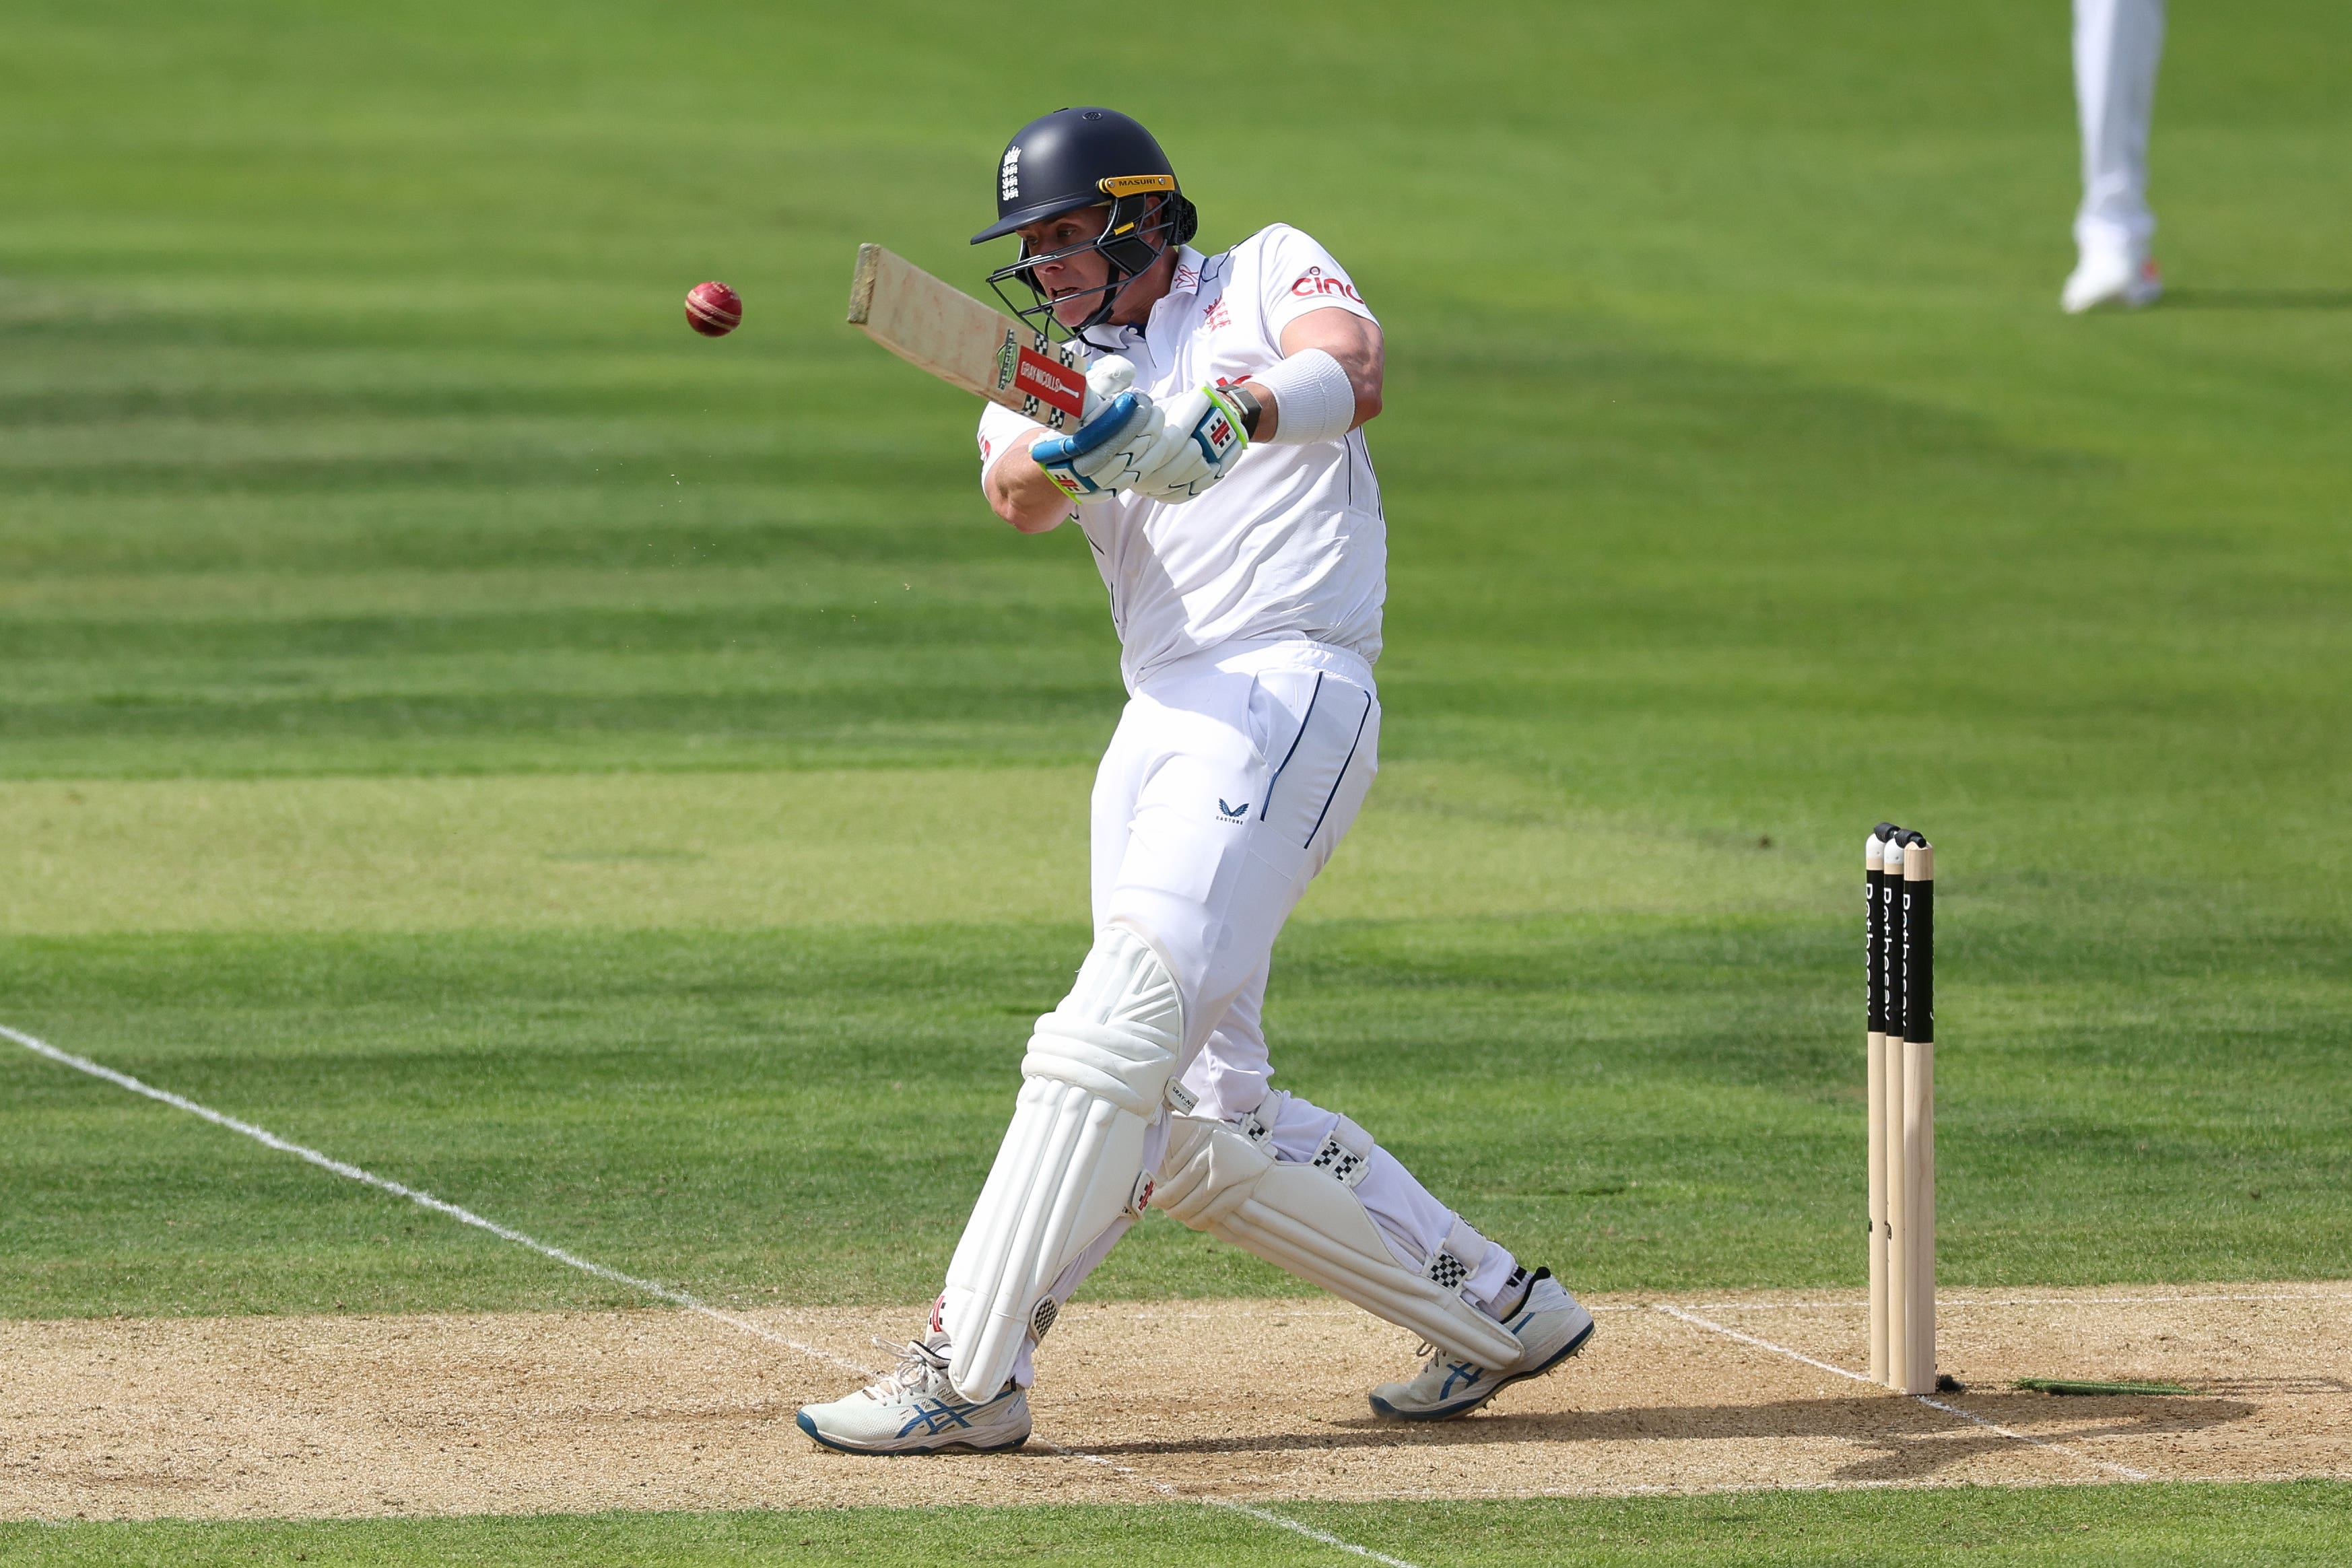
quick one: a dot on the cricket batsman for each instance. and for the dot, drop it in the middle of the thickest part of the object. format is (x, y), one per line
(1221, 480)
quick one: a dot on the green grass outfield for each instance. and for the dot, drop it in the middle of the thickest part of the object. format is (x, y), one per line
(627, 784)
(2126, 1527)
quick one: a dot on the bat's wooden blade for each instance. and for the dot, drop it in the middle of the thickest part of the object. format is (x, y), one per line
(963, 343)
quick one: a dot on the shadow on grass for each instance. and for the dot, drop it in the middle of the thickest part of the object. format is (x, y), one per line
(2258, 299)
(1888, 1439)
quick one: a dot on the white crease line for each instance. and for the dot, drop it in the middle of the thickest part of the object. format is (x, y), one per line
(1759, 1344)
(650, 1287)
(463, 1216)
(2125, 1470)
(1755, 1306)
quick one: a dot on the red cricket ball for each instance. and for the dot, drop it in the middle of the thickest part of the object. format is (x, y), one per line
(713, 309)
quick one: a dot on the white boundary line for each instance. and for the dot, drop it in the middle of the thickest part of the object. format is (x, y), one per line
(653, 1287)
(2124, 1471)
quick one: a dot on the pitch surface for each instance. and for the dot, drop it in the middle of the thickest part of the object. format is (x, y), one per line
(338, 1417)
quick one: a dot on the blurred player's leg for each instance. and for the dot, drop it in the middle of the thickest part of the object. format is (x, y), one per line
(2118, 44)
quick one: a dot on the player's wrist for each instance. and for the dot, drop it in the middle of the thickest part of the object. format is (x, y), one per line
(1249, 408)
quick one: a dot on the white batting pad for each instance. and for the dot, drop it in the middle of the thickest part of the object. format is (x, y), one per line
(1073, 1159)
(1307, 1220)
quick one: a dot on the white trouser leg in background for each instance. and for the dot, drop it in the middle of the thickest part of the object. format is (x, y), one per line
(2118, 44)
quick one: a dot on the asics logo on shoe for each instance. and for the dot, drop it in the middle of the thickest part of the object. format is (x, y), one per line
(934, 1418)
(1461, 1374)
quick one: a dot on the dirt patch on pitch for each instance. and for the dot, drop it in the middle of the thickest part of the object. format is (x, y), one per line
(338, 1417)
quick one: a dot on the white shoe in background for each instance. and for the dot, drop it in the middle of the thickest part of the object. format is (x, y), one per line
(2112, 277)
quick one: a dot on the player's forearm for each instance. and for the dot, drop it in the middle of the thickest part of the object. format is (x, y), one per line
(1350, 341)
(1365, 368)
(1020, 493)
(1365, 379)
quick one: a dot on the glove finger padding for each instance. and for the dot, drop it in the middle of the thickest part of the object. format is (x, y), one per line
(1105, 379)
(1099, 457)
(1201, 439)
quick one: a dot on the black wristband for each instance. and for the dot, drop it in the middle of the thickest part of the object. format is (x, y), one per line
(1246, 403)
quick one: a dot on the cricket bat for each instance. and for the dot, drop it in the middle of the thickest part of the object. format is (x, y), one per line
(940, 329)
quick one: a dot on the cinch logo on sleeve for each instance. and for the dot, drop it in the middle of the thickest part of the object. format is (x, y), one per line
(1313, 282)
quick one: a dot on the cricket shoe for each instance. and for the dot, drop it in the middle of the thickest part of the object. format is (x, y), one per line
(2112, 277)
(1548, 1323)
(916, 1410)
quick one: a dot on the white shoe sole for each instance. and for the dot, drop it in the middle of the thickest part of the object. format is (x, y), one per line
(902, 1446)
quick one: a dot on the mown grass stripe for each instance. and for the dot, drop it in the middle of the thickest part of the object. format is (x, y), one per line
(420, 1197)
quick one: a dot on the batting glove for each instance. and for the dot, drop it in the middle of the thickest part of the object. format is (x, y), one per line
(1101, 457)
(1200, 441)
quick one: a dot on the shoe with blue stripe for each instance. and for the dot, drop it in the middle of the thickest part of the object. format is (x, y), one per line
(1548, 1322)
(916, 1410)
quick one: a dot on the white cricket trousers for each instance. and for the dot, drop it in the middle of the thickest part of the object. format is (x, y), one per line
(1232, 776)
(2118, 44)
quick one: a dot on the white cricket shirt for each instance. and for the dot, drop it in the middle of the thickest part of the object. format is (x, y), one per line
(1291, 542)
